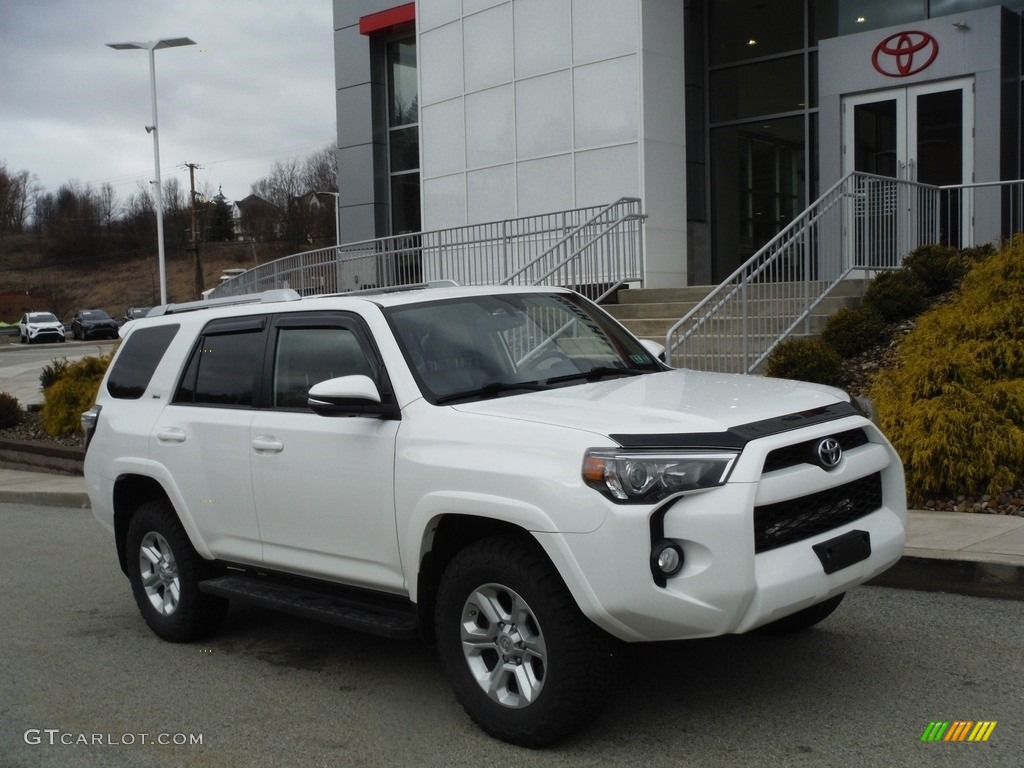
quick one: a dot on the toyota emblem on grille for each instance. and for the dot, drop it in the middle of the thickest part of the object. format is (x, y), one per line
(829, 452)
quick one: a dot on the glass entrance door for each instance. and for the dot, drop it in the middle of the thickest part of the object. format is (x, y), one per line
(920, 133)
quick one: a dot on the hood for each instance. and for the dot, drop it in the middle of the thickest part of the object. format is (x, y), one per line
(676, 401)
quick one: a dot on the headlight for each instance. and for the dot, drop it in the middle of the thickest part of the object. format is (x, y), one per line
(644, 477)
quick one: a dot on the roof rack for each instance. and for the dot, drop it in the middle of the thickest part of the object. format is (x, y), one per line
(266, 297)
(401, 288)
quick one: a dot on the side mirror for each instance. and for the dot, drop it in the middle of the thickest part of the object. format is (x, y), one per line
(656, 349)
(350, 396)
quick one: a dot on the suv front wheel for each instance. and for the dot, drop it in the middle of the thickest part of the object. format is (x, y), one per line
(526, 665)
(165, 571)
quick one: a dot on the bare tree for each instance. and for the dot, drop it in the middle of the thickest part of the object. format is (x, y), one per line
(15, 193)
(320, 170)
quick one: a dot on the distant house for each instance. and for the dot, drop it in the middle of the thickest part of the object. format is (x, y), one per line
(256, 219)
(317, 213)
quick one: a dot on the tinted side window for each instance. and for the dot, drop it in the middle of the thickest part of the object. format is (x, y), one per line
(306, 356)
(223, 368)
(138, 360)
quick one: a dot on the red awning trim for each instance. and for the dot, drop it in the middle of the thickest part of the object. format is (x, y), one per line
(388, 21)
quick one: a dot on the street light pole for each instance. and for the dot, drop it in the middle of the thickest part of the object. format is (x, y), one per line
(153, 46)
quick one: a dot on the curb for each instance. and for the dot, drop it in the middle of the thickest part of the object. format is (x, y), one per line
(963, 577)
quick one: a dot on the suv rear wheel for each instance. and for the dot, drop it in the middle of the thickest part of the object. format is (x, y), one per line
(165, 571)
(525, 664)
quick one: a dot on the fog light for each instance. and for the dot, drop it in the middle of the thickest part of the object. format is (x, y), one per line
(666, 559)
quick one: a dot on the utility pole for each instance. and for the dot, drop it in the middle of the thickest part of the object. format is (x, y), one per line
(200, 284)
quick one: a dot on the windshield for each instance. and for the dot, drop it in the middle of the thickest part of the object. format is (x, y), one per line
(95, 314)
(41, 317)
(486, 346)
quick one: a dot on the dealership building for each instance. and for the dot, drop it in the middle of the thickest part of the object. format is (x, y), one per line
(726, 118)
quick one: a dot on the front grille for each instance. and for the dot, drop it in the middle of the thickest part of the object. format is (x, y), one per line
(776, 525)
(804, 453)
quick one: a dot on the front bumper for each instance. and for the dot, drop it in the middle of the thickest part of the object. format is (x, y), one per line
(726, 585)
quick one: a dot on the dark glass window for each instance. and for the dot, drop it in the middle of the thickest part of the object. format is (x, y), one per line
(138, 360)
(223, 369)
(307, 356)
(750, 29)
(403, 136)
(766, 88)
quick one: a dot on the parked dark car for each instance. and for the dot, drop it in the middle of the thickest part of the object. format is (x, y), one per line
(134, 313)
(93, 324)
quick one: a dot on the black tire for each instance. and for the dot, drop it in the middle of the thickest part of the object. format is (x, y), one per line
(165, 570)
(805, 619)
(538, 669)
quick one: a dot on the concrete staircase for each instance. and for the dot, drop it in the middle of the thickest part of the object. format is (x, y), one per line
(649, 312)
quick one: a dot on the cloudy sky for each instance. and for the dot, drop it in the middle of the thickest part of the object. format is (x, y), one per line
(258, 86)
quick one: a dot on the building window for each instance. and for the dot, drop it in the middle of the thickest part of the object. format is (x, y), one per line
(403, 136)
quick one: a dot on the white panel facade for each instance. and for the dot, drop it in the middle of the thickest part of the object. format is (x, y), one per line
(541, 29)
(442, 138)
(487, 42)
(543, 123)
(490, 126)
(536, 106)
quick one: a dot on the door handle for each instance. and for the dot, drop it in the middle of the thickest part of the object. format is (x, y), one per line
(267, 444)
(171, 435)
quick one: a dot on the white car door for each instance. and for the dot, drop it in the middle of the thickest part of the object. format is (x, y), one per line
(324, 487)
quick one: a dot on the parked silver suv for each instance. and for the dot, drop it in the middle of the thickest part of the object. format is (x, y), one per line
(505, 472)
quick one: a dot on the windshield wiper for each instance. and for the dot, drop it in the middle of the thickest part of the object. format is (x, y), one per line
(492, 389)
(596, 374)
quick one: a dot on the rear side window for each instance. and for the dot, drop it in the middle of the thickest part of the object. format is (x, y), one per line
(224, 366)
(135, 365)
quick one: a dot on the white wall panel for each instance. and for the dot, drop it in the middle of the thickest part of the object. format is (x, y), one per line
(487, 41)
(544, 114)
(603, 28)
(490, 127)
(474, 6)
(545, 185)
(440, 62)
(491, 193)
(543, 36)
(444, 201)
(442, 138)
(436, 13)
(605, 103)
(604, 175)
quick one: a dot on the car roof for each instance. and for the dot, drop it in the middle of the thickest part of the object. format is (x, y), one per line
(287, 300)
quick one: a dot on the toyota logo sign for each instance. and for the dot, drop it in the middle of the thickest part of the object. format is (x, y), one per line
(829, 453)
(904, 54)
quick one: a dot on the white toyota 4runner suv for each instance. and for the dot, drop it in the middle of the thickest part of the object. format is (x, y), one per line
(506, 472)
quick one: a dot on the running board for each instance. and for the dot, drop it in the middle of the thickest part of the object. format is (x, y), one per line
(391, 618)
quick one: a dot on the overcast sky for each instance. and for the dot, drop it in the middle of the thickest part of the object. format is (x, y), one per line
(258, 86)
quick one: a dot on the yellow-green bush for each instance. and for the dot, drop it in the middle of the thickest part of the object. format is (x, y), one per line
(807, 360)
(953, 405)
(73, 392)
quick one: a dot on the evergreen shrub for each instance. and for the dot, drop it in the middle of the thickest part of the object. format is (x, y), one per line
(807, 360)
(896, 295)
(851, 331)
(939, 267)
(11, 413)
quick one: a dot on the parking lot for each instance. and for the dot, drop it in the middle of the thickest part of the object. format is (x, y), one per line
(83, 682)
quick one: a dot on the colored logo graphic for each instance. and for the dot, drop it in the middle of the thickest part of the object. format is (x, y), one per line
(904, 54)
(959, 730)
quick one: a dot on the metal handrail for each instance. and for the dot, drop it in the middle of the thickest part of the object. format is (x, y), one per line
(863, 222)
(594, 246)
